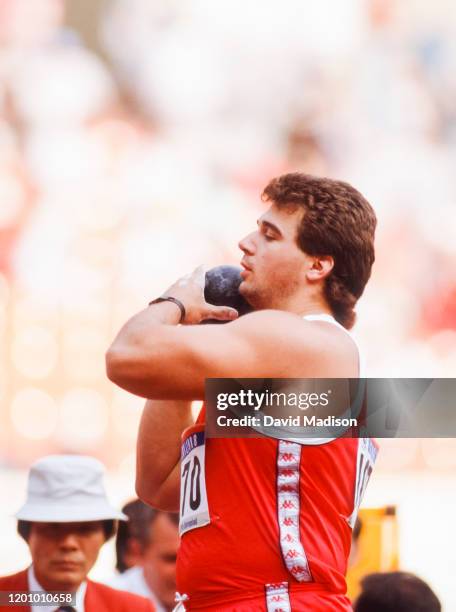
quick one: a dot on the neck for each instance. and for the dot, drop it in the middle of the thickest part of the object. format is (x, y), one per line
(306, 305)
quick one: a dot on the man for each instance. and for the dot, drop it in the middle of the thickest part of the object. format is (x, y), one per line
(65, 521)
(146, 554)
(130, 534)
(271, 529)
(396, 592)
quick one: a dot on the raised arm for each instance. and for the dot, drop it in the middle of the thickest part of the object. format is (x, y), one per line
(158, 452)
(155, 358)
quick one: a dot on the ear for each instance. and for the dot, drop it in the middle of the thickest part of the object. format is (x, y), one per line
(320, 267)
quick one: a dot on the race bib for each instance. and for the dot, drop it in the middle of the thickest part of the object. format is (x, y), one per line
(194, 511)
(367, 454)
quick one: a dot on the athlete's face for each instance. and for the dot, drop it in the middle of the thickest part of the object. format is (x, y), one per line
(274, 266)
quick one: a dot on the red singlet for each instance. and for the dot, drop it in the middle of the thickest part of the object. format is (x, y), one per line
(267, 523)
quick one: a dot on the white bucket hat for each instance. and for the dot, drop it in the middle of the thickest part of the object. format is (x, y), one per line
(67, 489)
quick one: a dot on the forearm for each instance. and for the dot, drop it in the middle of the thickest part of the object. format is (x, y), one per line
(158, 449)
(153, 357)
(145, 323)
(143, 333)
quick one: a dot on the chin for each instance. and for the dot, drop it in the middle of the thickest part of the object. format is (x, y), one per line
(250, 295)
(68, 579)
(245, 291)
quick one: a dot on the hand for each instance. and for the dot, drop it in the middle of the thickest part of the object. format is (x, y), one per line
(190, 291)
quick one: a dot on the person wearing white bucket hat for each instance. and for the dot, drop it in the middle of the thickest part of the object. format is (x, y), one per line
(65, 521)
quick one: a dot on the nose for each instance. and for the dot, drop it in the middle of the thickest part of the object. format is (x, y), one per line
(69, 541)
(247, 244)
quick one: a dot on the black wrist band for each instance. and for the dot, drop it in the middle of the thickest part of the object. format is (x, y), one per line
(174, 301)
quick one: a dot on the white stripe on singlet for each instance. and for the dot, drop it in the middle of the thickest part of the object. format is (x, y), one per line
(277, 597)
(288, 510)
(288, 493)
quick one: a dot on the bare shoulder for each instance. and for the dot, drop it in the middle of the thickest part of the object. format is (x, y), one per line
(274, 319)
(306, 348)
(290, 327)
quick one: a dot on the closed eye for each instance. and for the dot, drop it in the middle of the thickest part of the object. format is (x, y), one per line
(269, 230)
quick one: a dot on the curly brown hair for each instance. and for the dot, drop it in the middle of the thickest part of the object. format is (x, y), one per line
(338, 221)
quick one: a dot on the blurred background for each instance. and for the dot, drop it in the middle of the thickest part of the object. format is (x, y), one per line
(135, 139)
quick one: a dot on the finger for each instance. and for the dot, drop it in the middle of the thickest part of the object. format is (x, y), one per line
(221, 313)
(199, 276)
(184, 280)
